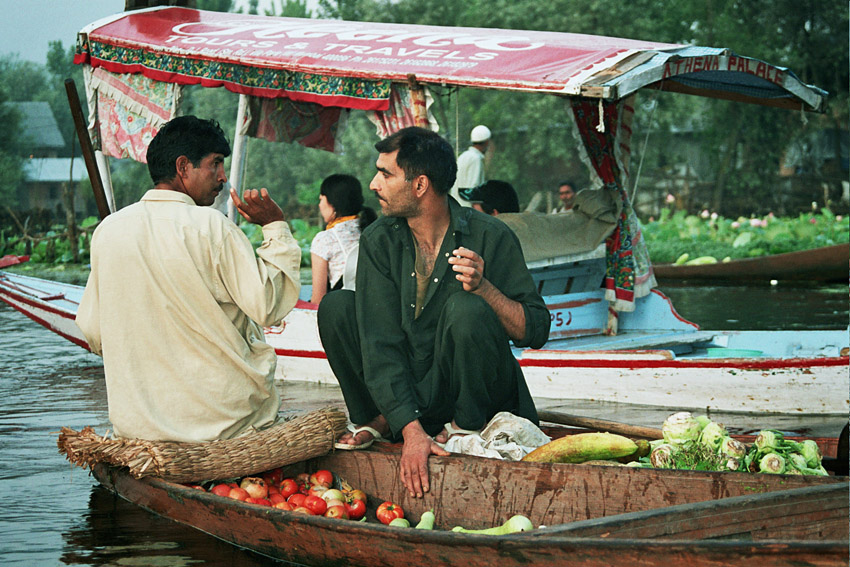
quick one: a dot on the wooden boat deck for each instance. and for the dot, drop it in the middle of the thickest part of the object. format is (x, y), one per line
(300, 396)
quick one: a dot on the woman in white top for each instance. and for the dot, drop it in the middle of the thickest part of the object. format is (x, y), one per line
(333, 252)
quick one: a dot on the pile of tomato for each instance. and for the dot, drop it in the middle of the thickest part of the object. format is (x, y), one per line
(305, 493)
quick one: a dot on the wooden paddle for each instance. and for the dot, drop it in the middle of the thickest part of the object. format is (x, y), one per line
(599, 424)
(87, 149)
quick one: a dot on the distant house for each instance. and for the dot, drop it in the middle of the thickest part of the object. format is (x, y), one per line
(44, 171)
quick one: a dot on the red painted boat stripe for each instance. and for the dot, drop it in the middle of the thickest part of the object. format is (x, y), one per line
(47, 325)
(573, 304)
(300, 353)
(751, 364)
(31, 303)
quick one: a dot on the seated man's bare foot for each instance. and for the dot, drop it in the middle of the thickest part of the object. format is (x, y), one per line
(362, 436)
(452, 430)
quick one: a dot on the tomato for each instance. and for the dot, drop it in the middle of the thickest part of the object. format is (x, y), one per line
(273, 476)
(316, 505)
(322, 478)
(276, 498)
(356, 509)
(288, 487)
(221, 489)
(296, 500)
(388, 511)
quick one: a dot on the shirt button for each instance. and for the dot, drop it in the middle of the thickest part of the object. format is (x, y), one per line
(413, 305)
(436, 280)
(412, 274)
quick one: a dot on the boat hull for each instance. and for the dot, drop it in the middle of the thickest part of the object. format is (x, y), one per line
(827, 264)
(475, 492)
(806, 372)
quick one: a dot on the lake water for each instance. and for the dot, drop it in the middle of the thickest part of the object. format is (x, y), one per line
(55, 514)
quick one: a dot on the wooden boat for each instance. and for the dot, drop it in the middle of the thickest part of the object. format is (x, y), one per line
(657, 358)
(827, 264)
(594, 515)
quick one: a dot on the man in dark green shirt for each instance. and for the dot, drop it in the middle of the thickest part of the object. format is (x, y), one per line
(423, 346)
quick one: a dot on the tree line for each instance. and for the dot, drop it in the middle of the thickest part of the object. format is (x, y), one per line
(740, 147)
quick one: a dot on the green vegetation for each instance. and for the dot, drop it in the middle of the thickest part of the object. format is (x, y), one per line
(676, 234)
(743, 144)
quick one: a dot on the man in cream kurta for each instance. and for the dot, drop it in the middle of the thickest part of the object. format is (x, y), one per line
(176, 301)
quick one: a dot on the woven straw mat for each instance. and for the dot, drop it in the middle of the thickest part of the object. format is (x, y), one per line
(302, 437)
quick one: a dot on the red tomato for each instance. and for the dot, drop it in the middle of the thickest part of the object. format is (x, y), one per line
(387, 512)
(276, 498)
(288, 487)
(296, 499)
(273, 476)
(315, 504)
(221, 489)
(322, 478)
(356, 509)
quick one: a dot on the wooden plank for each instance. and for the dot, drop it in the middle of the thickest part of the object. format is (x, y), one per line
(600, 424)
(816, 512)
(486, 492)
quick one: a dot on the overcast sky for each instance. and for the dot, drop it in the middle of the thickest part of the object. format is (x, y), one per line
(28, 26)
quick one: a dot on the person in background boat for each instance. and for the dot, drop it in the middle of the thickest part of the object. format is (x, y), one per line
(333, 251)
(422, 348)
(470, 165)
(566, 194)
(495, 197)
(177, 299)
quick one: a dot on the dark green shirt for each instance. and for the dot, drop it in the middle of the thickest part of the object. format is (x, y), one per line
(398, 347)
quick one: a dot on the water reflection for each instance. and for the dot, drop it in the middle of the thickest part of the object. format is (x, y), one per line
(115, 532)
(779, 307)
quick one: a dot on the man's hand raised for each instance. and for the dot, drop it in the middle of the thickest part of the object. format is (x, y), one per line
(256, 206)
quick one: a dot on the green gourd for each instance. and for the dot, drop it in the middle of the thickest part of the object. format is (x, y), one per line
(513, 525)
(426, 522)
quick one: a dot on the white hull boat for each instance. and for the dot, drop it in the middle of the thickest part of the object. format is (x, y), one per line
(657, 358)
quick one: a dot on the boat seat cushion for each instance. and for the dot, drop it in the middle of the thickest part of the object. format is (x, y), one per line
(576, 232)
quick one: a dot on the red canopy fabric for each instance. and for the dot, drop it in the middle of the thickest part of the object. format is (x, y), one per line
(340, 63)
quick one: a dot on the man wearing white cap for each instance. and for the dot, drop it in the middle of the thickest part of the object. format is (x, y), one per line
(470, 165)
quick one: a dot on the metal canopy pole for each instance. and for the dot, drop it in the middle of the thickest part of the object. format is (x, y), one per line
(237, 164)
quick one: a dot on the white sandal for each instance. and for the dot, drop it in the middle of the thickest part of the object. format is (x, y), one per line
(355, 429)
(451, 431)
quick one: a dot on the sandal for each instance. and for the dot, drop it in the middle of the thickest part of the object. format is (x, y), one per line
(452, 431)
(354, 429)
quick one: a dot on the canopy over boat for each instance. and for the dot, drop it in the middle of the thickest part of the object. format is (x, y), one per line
(351, 64)
(296, 77)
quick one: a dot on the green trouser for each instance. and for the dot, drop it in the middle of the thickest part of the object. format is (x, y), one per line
(472, 376)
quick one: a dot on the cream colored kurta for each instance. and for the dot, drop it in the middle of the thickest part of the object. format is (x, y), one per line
(175, 303)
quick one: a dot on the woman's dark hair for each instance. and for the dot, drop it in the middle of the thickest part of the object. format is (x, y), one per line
(345, 194)
(422, 152)
(187, 136)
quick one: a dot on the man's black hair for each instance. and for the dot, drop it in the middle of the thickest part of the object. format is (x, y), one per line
(422, 152)
(188, 136)
(497, 195)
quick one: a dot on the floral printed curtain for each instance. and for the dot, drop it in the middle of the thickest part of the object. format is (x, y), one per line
(604, 128)
(127, 111)
(307, 123)
(408, 107)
